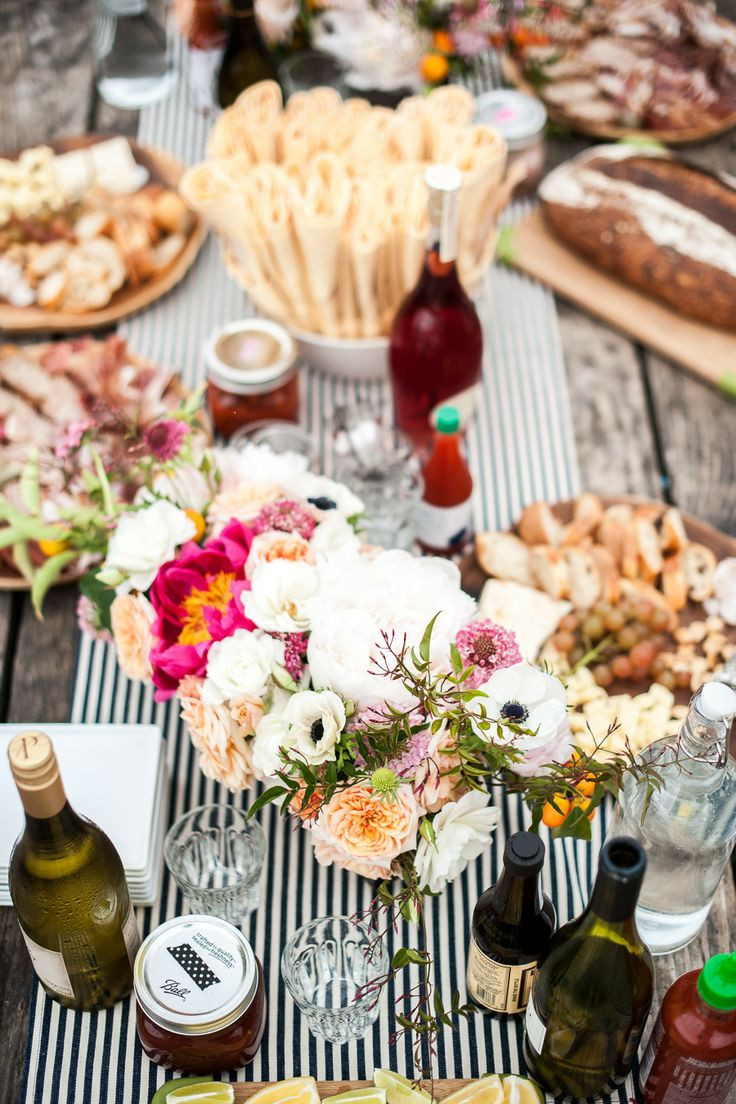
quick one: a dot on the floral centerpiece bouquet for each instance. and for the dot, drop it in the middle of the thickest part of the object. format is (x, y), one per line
(356, 683)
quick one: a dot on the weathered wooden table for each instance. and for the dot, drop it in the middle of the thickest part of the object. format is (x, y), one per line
(641, 427)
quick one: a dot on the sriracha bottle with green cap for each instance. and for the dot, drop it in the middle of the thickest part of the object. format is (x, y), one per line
(691, 1055)
(444, 516)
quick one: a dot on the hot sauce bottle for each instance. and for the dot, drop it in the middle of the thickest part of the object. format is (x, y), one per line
(444, 516)
(513, 922)
(691, 1054)
(436, 344)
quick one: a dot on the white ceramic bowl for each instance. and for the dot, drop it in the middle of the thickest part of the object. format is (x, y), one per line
(359, 358)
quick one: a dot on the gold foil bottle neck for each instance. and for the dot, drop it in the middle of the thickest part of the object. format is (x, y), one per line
(36, 773)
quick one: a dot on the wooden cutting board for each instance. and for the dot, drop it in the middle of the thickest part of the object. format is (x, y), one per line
(704, 350)
(245, 1089)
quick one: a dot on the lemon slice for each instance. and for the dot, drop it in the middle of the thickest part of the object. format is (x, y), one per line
(520, 1090)
(358, 1096)
(400, 1090)
(212, 1092)
(297, 1090)
(486, 1090)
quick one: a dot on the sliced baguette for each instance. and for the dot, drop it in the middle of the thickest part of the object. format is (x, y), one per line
(650, 555)
(587, 513)
(638, 588)
(674, 586)
(612, 530)
(699, 565)
(673, 537)
(538, 525)
(608, 571)
(505, 556)
(550, 571)
(585, 578)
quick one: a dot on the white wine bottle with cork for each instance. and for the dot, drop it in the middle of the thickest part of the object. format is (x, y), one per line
(68, 888)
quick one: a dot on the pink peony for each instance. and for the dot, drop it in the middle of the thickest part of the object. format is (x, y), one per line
(196, 601)
(286, 517)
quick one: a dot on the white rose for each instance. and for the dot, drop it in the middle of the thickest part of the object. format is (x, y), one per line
(256, 464)
(366, 597)
(333, 534)
(280, 596)
(241, 664)
(272, 735)
(310, 487)
(144, 540)
(461, 833)
(315, 721)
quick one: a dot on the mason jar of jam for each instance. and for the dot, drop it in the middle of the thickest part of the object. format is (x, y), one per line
(252, 375)
(200, 997)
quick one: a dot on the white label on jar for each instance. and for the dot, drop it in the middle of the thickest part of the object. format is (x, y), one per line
(535, 1028)
(131, 935)
(50, 968)
(444, 526)
(495, 985)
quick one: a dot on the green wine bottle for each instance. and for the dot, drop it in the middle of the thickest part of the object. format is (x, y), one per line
(593, 988)
(247, 58)
(68, 888)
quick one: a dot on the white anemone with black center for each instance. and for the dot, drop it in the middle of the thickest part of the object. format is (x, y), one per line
(527, 697)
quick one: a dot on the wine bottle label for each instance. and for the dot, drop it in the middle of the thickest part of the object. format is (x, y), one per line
(495, 985)
(652, 1047)
(444, 526)
(535, 1027)
(131, 935)
(50, 968)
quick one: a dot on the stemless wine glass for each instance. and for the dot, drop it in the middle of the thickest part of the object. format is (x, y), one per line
(216, 857)
(134, 53)
(331, 967)
(376, 461)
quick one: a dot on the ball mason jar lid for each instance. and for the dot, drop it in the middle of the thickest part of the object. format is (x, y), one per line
(519, 117)
(250, 356)
(195, 975)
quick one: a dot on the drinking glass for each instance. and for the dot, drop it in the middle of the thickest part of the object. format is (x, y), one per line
(376, 461)
(279, 436)
(330, 967)
(134, 54)
(311, 69)
(216, 856)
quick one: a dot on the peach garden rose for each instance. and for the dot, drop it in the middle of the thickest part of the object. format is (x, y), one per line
(365, 832)
(225, 753)
(131, 616)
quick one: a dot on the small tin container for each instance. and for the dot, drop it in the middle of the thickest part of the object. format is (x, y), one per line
(522, 120)
(200, 998)
(251, 374)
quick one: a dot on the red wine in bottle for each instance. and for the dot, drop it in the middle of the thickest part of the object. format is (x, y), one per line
(436, 344)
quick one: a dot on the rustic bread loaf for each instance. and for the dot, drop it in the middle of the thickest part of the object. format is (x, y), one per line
(662, 226)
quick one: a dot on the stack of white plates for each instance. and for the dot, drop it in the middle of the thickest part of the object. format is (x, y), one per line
(115, 775)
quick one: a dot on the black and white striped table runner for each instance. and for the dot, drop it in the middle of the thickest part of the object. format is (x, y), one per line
(521, 448)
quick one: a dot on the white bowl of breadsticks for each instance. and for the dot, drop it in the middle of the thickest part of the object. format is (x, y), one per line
(322, 207)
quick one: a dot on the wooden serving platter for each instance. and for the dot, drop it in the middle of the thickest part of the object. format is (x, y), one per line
(164, 169)
(440, 1089)
(706, 351)
(721, 544)
(513, 73)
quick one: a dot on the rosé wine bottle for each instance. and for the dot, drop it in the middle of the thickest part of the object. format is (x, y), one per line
(436, 345)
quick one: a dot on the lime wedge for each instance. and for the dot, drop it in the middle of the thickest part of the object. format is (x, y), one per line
(214, 1092)
(400, 1090)
(162, 1093)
